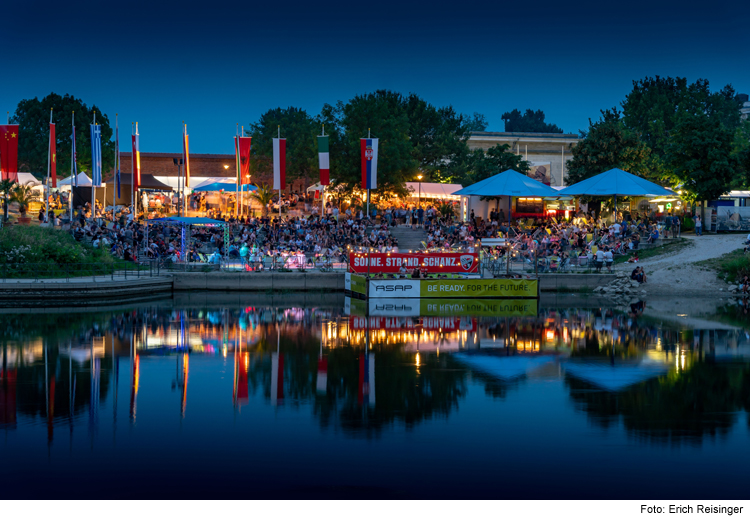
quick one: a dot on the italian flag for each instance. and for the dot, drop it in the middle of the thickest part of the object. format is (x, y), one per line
(323, 160)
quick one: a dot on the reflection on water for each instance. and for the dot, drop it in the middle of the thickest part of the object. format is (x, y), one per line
(192, 376)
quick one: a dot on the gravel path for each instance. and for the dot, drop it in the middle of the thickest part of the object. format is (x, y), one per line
(675, 273)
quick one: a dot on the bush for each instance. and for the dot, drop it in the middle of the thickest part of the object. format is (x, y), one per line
(21, 244)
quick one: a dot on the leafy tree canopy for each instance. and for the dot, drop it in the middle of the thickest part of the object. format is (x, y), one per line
(476, 122)
(701, 155)
(32, 116)
(656, 104)
(482, 164)
(300, 131)
(608, 144)
(529, 121)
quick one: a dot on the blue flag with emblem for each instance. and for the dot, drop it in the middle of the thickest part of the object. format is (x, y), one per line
(96, 155)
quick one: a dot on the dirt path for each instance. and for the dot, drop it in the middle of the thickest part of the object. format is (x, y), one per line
(676, 275)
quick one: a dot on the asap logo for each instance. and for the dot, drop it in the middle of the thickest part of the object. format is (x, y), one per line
(393, 287)
(393, 307)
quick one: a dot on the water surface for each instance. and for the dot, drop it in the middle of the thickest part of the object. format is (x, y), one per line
(284, 398)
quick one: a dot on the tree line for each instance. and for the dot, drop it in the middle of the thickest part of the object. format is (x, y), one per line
(673, 133)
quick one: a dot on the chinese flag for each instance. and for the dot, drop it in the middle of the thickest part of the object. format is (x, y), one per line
(9, 152)
(52, 155)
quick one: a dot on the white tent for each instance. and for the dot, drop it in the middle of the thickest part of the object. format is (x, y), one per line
(82, 180)
(440, 191)
(504, 367)
(26, 178)
(615, 377)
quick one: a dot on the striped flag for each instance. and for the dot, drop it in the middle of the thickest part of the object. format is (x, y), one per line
(324, 160)
(279, 163)
(96, 155)
(136, 170)
(186, 155)
(369, 148)
(74, 155)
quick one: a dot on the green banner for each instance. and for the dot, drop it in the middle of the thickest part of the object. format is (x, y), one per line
(359, 284)
(463, 288)
(478, 307)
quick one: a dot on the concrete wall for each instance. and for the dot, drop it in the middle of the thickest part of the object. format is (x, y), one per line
(585, 282)
(260, 282)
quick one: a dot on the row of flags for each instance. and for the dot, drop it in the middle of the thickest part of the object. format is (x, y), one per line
(9, 157)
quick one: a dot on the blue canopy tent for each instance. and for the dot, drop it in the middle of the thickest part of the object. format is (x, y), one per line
(509, 183)
(183, 221)
(223, 186)
(616, 182)
(615, 377)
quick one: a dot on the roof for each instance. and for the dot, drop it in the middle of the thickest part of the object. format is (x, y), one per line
(189, 220)
(508, 183)
(530, 135)
(231, 157)
(617, 182)
(615, 377)
(431, 190)
(147, 181)
(503, 367)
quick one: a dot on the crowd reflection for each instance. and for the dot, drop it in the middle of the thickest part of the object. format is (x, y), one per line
(360, 375)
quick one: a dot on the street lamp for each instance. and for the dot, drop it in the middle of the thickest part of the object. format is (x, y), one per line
(419, 202)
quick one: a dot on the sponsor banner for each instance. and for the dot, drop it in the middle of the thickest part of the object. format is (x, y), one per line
(427, 262)
(478, 288)
(394, 307)
(381, 323)
(398, 288)
(354, 306)
(449, 324)
(436, 311)
(359, 284)
(478, 307)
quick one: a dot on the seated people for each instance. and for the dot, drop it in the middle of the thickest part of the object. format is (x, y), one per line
(633, 258)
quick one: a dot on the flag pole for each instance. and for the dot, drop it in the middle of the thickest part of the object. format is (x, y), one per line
(237, 164)
(279, 136)
(132, 176)
(242, 191)
(49, 162)
(93, 173)
(72, 165)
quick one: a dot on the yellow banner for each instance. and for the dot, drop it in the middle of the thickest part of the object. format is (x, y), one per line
(456, 288)
(478, 307)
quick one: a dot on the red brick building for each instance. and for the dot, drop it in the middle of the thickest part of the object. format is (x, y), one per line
(202, 165)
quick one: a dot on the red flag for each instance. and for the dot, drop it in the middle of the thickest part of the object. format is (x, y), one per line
(245, 158)
(9, 152)
(52, 155)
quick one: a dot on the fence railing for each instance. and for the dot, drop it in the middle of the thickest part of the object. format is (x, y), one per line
(94, 272)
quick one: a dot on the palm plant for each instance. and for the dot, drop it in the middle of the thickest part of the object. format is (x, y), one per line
(6, 191)
(263, 196)
(22, 195)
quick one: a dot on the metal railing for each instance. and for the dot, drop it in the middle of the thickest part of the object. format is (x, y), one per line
(94, 272)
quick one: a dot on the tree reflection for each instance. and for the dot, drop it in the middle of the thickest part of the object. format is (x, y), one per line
(681, 407)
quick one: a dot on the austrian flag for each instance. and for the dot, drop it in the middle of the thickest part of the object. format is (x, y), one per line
(279, 163)
(323, 160)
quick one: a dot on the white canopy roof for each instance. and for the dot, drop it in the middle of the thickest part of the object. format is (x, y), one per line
(26, 178)
(443, 191)
(82, 180)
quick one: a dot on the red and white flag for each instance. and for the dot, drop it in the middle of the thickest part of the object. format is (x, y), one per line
(279, 163)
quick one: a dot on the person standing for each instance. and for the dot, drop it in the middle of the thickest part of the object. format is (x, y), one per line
(698, 225)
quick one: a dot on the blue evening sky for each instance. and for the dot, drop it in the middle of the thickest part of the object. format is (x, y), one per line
(214, 64)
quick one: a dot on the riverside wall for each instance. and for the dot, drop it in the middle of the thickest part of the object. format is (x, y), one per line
(101, 291)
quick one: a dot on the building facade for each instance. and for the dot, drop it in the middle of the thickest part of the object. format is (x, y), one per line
(547, 153)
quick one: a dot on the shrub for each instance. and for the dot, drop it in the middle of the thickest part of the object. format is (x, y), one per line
(38, 245)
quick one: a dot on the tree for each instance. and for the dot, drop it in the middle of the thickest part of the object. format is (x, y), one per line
(32, 116)
(655, 105)
(263, 196)
(476, 123)
(700, 154)
(483, 164)
(300, 131)
(608, 144)
(383, 115)
(529, 121)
